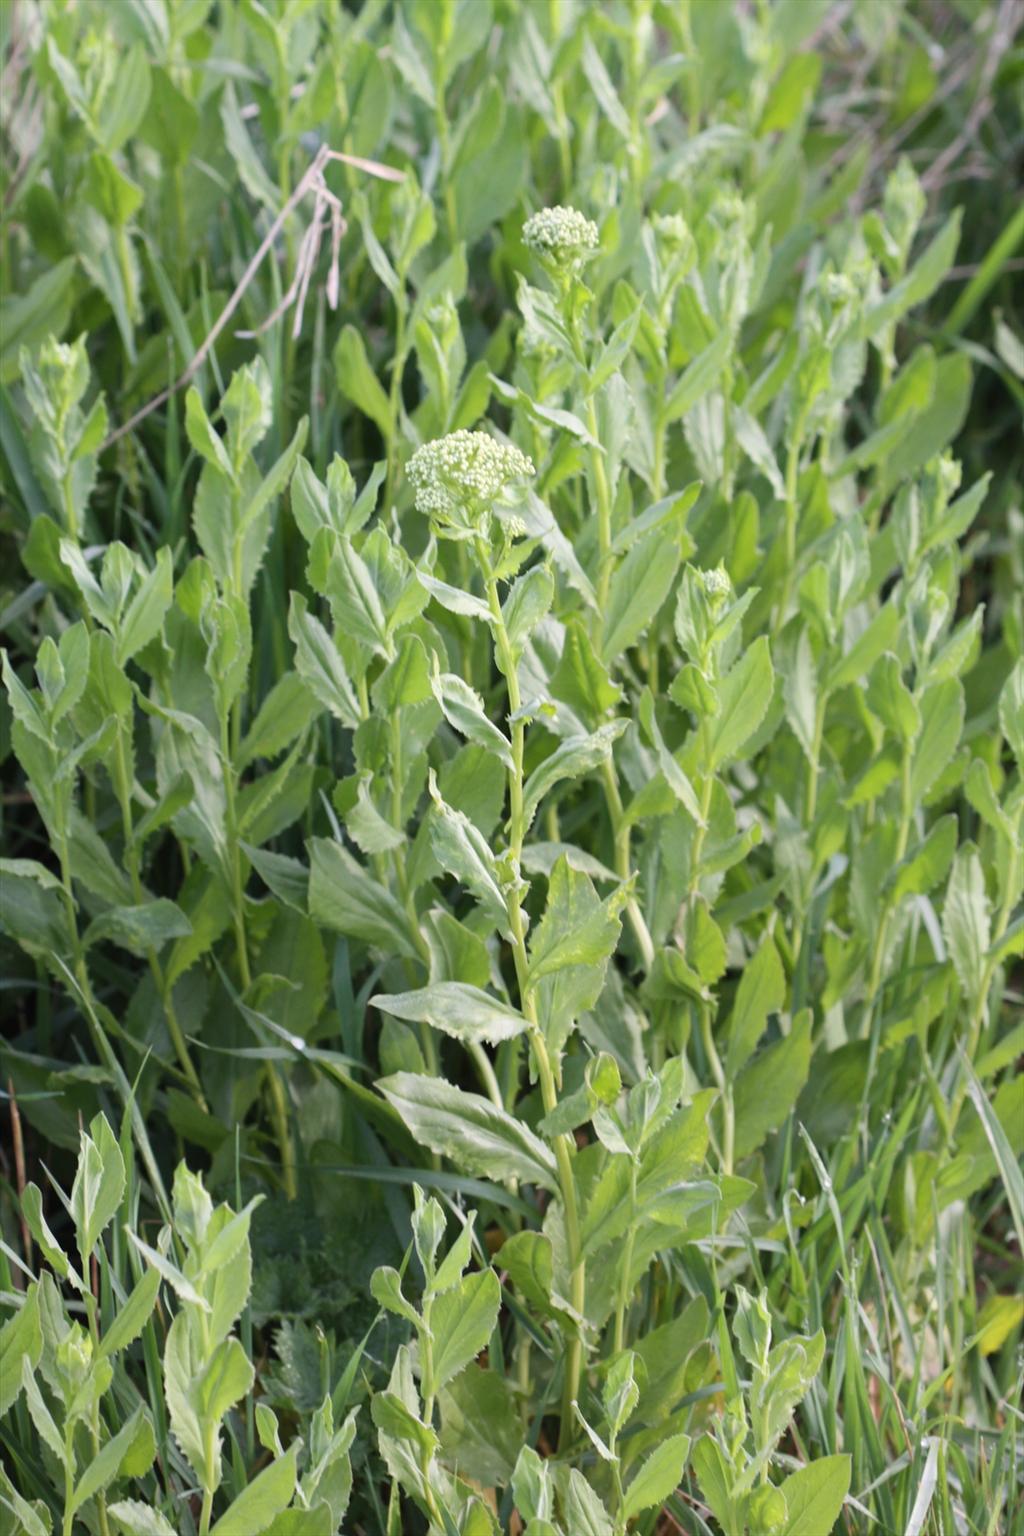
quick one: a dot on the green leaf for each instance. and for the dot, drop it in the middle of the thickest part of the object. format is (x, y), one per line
(814, 1496)
(105, 1465)
(358, 382)
(21, 1340)
(744, 695)
(319, 664)
(762, 990)
(929, 863)
(462, 1320)
(604, 91)
(477, 1136)
(124, 106)
(676, 779)
(140, 929)
(265, 1497)
(344, 897)
(639, 586)
(28, 318)
(942, 719)
(139, 1519)
(1011, 712)
(366, 826)
(461, 850)
(920, 282)
(1007, 1161)
(584, 1512)
(203, 438)
(288, 709)
(576, 929)
(658, 1477)
(571, 759)
(465, 1012)
(699, 377)
(463, 708)
(966, 923)
(99, 1185)
(131, 1316)
(768, 1088)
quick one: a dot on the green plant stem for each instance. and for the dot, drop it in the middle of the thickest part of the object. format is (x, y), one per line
(207, 1512)
(604, 515)
(723, 1086)
(622, 1300)
(395, 400)
(564, 1146)
(814, 765)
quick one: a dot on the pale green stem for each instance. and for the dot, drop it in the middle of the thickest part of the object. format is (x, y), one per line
(564, 1146)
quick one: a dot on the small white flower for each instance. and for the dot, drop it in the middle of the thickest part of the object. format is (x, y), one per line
(465, 471)
(561, 234)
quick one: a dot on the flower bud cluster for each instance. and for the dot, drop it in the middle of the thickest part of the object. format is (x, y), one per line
(716, 583)
(464, 474)
(560, 234)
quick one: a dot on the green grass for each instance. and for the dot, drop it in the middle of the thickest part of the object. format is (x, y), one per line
(513, 740)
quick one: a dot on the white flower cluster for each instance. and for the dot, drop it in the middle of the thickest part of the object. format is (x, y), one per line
(561, 233)
(716, 583)
(462, 470)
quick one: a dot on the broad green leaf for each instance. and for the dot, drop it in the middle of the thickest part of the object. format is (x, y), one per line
(319, 664)
(344, 897)
(571, 759)
(762, 990)
(139, 929)
(1011, 712)
(744, 695)
(263, 1498)
(462, 1320)
(465, 1012)
(105, 1465)
(470, 1130)
(929, 863)
(658, 1477)
(966, 920)
(139, 1519)
(699, 376)
(355, 601)
(814, 1496)
(463, 708)
(99, 1185)
(769, 1086)
(676, 779)
(132, 1315)
(357, 380)
(639, 587)
(920, 282)
(21, 1340)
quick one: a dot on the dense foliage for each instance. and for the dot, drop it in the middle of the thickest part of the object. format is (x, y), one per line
(514, 768)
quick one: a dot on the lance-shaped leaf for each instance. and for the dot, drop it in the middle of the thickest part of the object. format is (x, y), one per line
(346, 898)
(319, 664)
(463, 708)
(466, 1012)
(477, 1136)
(571, 759)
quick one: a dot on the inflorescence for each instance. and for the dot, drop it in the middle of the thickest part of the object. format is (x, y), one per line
(560, 234)
(459, 476)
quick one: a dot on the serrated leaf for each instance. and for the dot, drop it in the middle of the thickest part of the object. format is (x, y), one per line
(477, 1136)
(465, 1012)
